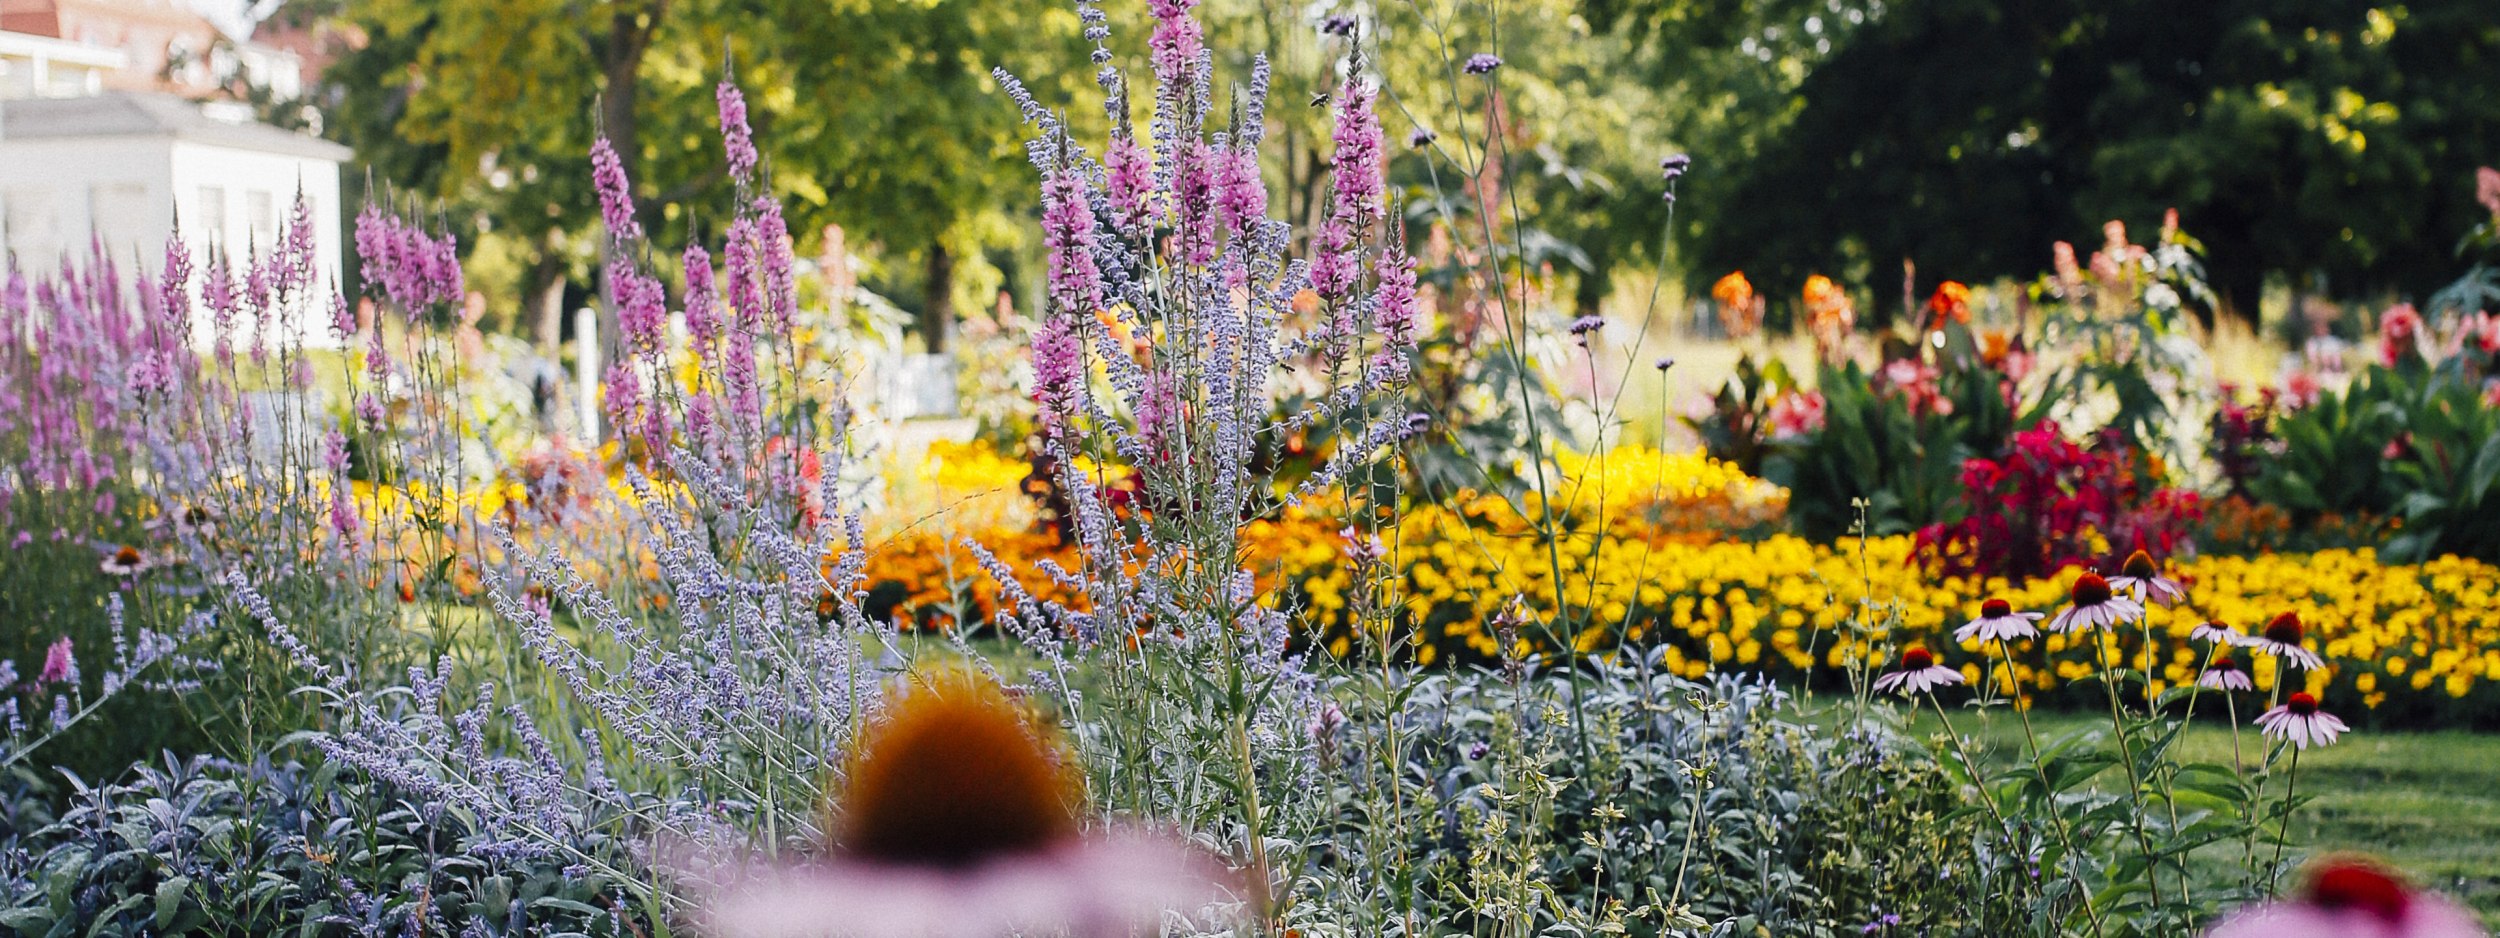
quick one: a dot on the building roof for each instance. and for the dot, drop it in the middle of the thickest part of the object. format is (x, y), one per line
(153, 114)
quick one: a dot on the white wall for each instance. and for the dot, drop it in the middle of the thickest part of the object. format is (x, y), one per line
(55, 192)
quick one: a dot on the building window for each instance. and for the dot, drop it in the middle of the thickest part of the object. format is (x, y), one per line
(213, 212)
(260, 210)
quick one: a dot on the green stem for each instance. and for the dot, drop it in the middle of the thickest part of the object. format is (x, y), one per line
(2274, 871)
(2135, 780)
(2065, 837)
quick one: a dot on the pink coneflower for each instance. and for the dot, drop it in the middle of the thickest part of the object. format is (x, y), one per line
(1919, 674)
(2224, 674)
(2352, 897)
(1998, 622)
(2282, 639)
(958, 818)
(2142, 577)
(2218, 634)
(2094, 606)
(2299, 722)
(125, 562)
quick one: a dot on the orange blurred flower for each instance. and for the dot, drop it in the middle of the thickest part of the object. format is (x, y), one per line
(1950, 304)
(1831, 316)
(1740, 311)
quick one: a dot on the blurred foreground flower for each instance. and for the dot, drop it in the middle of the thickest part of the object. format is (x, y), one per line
(959, 819)
(2352, 897)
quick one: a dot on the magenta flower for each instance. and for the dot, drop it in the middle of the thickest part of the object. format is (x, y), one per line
(2142, 578)
(1998, 622)
(58, 666)
(1919, 674)
(2218, 634)
(1068, 236)
(1128, 177)
(2224, 674)
(2094, 606)
(2299, 721)
(739, 141)
(2282, 639)
(616, 200)
(2352, 897)
(956, 821)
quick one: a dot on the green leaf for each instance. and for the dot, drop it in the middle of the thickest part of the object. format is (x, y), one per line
(169, 900)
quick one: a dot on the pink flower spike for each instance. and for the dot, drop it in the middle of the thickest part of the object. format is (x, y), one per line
(58, 665)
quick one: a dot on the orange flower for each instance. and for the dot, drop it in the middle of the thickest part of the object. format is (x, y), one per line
(1831, 316)
(1740, 311)
(1950, 304)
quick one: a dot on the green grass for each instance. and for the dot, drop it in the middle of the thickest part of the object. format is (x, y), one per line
(2427, 801)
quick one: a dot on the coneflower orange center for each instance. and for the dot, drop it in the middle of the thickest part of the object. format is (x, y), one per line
(1996, 609)
(2360, 886)
(2285, 629)
(1917, 659)
(2140, 566)
(2091, 590)
(126, 556)
(954, 775)
(2301, 704)
(2225, 664)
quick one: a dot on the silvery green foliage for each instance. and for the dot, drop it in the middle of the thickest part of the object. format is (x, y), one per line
(208, 847)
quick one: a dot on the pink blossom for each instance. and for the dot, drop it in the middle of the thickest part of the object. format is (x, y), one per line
(2399, 334)
(1129, 180)
(1796, 414)
(2349, 897)
(735, 137)
(2487, 188)
(616, 200)
(58, 666)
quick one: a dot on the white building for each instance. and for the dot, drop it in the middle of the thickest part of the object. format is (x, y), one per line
(122, 166)
(44, 67)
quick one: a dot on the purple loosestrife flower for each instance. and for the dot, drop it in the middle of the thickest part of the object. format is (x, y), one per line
(1193, 203)
(616, 201)
(1175, 44)
(1240, 195)
(1068, 237)
(1482, 63)
(736, 138)
(641, 311)
(1129, 180)
(624, 396)
(1333, 271)
(703, 320)
(1058, 368)
(1360, 151)
(780, 285)
(59, 665)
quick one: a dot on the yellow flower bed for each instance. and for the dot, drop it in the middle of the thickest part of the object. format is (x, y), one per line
(1639, 556)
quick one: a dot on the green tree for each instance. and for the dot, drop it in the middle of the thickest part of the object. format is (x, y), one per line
(2328, 139)
(875, 115)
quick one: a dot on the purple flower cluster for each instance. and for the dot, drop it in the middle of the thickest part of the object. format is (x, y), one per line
(736, 139)
(616, 198)
(412, 270)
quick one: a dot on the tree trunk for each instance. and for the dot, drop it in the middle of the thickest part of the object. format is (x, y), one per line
(545, 288)
(937, 310)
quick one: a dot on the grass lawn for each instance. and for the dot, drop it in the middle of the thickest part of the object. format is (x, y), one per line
(2428, 801)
